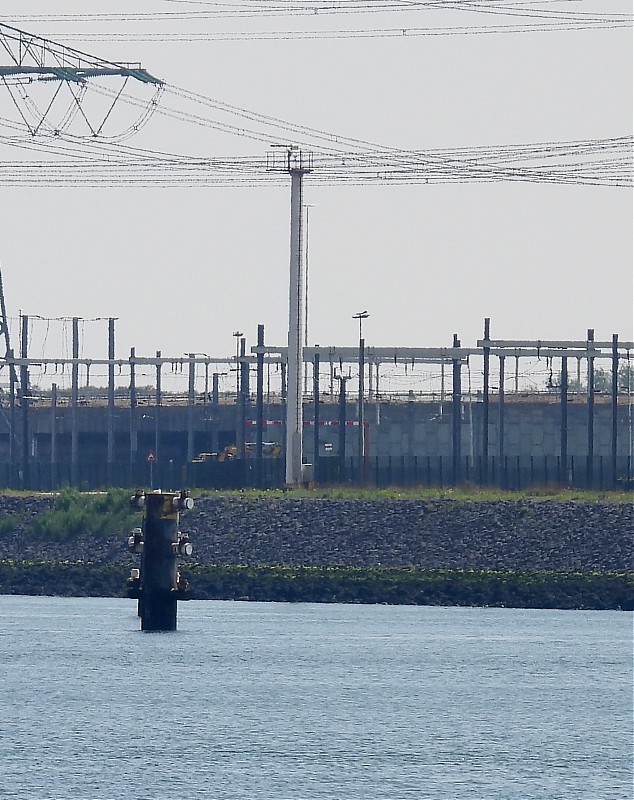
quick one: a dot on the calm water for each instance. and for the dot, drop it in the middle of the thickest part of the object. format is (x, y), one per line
(286, 702)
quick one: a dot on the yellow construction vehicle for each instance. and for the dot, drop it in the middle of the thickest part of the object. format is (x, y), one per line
(269, 450)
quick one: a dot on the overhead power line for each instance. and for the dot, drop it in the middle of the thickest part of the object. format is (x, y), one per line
(328, 8)
(69, 159)
(606, 162)
(364, 33)
(535, 15)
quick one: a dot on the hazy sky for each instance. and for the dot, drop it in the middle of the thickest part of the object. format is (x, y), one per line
(182, 268)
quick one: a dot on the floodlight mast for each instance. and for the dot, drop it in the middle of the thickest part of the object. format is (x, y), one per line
(34, 57)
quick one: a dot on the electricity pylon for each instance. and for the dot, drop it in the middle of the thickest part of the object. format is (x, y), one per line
(36, 61)
(47, 60)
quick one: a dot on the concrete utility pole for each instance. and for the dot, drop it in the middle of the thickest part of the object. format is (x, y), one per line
(157, 585)
(297, 167)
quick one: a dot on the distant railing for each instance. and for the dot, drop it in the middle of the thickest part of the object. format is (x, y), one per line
(122, 400)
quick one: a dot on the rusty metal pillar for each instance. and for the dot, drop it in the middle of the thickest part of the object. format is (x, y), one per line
(157, 584)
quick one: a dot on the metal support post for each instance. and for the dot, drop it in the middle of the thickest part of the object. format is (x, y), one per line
(24, 404)
(342, 427)
(361, 414)
(243, 367)
(486, 351)
(190, 407)
(360, 316)
(111, 405)
(134, 445)
(316, 418)
(615, 406)
(157, 410)
(215, 401)
(12, 426)
(590, 458)
(237, 335)
(74, 402)
(563, 400)
(456, 415)
(259, 406)
(501, 420)
(54, 436)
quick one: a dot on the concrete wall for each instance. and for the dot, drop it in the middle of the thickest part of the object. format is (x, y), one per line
(532, 428)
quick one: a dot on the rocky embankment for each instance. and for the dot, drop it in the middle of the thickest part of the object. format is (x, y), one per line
(523, 535)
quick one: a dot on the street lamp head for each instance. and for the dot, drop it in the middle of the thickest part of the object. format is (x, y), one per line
(238, 333)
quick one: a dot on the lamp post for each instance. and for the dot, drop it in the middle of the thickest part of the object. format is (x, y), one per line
(361, 315)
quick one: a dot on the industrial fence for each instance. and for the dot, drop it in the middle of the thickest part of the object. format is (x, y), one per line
(510, 472)
(600, 473)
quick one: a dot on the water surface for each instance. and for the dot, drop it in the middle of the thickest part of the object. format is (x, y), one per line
(273, 701)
